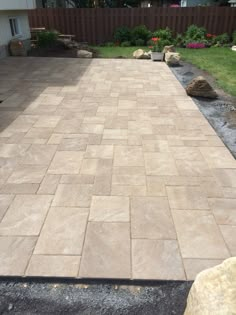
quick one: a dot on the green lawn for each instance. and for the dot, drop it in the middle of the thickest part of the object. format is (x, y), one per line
(115, 52)
(219, 62)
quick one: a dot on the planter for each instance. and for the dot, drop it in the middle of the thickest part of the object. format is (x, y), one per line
(157, 56)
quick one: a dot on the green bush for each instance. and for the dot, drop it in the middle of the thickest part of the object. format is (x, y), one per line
(195, 33)
(179, 41)
(165, 34)
(109, 44)
(139, 42)
(140, 32)
(234, 37)
(222, 39)
(126, 44)
(122, 34)
(47, 38)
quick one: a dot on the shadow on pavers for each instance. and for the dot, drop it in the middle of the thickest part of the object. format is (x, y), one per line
(69, 296)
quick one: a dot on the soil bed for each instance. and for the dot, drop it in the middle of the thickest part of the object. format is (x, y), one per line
(221, 113)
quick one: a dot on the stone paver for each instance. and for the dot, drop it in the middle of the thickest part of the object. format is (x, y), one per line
(109, 170)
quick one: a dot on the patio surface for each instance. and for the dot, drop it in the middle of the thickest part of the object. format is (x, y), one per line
(109, 170)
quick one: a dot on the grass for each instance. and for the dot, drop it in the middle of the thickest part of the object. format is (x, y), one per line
(220, 62)
(115, 52)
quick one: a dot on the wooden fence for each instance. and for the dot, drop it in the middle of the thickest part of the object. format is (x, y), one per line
(98, 25)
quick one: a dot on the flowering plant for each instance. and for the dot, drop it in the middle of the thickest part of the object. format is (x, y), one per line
(210, 36)
(195, 45)
(157, 44)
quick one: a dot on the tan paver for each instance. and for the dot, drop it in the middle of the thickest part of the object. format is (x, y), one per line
(157, 259)
(106, 251)
(53, 266)
(63, 231)
(109, 170)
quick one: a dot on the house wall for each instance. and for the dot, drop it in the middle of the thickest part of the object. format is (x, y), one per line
(17, 4)
(5, 30)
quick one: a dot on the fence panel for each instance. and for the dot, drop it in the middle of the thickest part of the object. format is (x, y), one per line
(97, 26)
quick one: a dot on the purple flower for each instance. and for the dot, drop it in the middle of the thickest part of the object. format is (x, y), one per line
(195, 45)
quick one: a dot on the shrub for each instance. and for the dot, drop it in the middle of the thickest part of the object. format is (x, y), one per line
(47, 38)
(140, 32)
(195, 45)
(234, 37)
(122, 34)
(139, 42)
(222, 39)
(179, 40)
(164, 34)
(125, 44)
(195, 33)
(109, 44)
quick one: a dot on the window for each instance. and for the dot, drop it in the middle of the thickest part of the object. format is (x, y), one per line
(14, 24)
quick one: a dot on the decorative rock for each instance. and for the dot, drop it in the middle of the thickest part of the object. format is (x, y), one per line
(84, 54)
(200, 87)
(170, 48)
(214, 291)
(140, 54)
(233, 48)
(172, 59)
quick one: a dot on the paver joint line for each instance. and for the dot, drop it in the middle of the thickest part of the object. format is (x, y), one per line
(109, 170)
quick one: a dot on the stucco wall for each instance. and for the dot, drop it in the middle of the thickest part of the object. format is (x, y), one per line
(5, 30)
(17, 4)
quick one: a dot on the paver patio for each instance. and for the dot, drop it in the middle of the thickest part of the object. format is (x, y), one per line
(109, 170)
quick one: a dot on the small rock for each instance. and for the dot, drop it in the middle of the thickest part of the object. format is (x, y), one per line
(233, 48)
(200, 87)
(172, 59)
(140, 54)
(214, 291)
(84, 54)
(170, 48)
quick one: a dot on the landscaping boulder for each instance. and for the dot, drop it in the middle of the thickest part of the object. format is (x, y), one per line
(170, 48)
(140, 54)
(84, 54)
(200, 87)
(214, 291)
(233, 48)
(172, 59)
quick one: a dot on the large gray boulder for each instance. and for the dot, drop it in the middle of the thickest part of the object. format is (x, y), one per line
(200, 87)
(214, 291)
(84, 54)
(172, 59)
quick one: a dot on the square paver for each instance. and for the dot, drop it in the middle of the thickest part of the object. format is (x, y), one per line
(160, 164)
(26, 215)
(39, 154)
(151, 218)
(183, 197)
(27, 174)
(228, 232)
(73, 144)
(194, 266)
(106, 251)
(156, 260)
(5, 201)
(224, 210)
(73, 195)
(128, 156)
(66, 162)
(199, 235)
(109, 208)
(63, 231)
(218, 157)
(53, 266)
(15, 252)
(99, 151)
